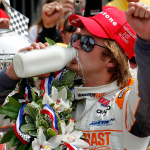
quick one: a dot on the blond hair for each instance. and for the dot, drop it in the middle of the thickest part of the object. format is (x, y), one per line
(121, 71)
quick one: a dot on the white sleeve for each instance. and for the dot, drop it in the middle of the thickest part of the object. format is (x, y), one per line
(32, 33)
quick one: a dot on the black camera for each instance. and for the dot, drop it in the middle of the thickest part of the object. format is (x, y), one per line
(79, 2)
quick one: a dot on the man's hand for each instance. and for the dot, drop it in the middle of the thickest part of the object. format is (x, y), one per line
(68, 6)
(138, 16)
(10, 71)
(51, 13)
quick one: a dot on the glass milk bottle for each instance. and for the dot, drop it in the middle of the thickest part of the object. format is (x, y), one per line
(36, 62)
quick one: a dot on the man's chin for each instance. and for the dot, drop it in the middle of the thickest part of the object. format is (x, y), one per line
(73, 67)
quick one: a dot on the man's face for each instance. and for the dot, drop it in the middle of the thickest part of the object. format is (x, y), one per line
(67, 35)
(133, 1)
(91, 61)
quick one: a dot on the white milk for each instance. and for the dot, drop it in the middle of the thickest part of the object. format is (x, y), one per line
(36, 62)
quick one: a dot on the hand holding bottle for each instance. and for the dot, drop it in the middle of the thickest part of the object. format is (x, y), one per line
(36, 62)
(10, 70)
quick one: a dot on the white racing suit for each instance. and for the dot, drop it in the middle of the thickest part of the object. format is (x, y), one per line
(117, 119)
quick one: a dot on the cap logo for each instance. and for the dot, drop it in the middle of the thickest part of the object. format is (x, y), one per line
(129, 32)
(75, 20)
(109, 18)
(126, 34)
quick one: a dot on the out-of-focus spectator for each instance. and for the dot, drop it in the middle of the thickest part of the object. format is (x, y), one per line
(37, 27)
(68, 6)
(68, 29)
(52, 13)
(4, 20)
(123, 4)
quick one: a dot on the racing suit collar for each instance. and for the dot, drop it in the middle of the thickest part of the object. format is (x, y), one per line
(95, 92)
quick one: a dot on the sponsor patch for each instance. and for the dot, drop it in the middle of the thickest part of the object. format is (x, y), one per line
(102, 122)
(104, 112)
(104, 101)
(122, 92)
(95, 95)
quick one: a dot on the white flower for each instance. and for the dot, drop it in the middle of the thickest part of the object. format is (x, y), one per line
(74, 137)
(40, 143)
(58, 98)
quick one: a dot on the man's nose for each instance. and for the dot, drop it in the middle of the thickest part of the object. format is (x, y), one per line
(76, 44)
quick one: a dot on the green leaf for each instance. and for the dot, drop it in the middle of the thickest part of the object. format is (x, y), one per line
(59, 148)
(11, 119)
(69, 76)
(54, 83)
(10, 111)
(7, 104)
(82, 137)
(39, 102)
(69, 45)
(51, 42)
(28, 119)
(25, 147)
(51, 133)
(33, 133)
(30, 111)
(22, 85)
(14, 141)
(35, 105)
(70, 96)
(27, 127)
(31, 147)
(52, 105)
(59, 128)
(23, 120)
(60, 88)
(6, 117)
(18, 96)
(31, 82)
(44, 123)
(58, 118)
(33, 94)
(68, 111)
(21, 147)
(67, 121)
(14, 103)
(7, 136)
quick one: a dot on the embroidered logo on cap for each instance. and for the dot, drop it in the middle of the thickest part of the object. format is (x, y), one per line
(109, 18)
(75, 20)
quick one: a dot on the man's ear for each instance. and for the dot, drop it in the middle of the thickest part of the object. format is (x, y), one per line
(111, 63)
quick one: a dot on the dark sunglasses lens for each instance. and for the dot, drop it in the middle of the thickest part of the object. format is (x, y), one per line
(70, 28)
(87, 43)
(74, 38)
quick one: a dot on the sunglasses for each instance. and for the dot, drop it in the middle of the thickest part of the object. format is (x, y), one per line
(86, 42)
(70, 28)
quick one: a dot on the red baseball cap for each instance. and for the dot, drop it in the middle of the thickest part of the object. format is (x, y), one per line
(110, 24)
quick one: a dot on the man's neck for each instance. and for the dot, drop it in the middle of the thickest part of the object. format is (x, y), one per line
(97, 80)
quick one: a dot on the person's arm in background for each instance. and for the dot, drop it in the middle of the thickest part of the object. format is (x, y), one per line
(51, 15)
(6, 84)
(138, 105)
